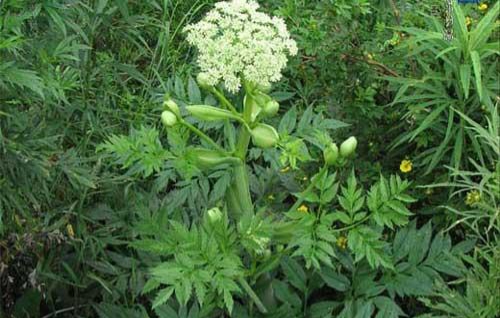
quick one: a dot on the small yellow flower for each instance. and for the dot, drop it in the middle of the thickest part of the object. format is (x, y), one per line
(69, 229)
(483, 7)
(406, 166)
(305, 178)
(342, 242)
(473, 197)
(370, 56)
(303, 208)
(468, 21)
(285, 170)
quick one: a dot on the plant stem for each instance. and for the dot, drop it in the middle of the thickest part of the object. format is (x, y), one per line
(363, 220)
(239, 198)
(203, 136)
(308, 189)
(224, 100)
(252, 295)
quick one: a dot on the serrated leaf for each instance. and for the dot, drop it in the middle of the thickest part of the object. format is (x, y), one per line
(163, 296)
(335, 280)
(294, 273)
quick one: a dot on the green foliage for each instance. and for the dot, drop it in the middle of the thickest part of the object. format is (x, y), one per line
(481, 297)
(435, 99)
(141, 153)
(79, 237)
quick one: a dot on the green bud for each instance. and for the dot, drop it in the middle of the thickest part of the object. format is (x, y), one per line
(168, 118)
(331, 154)
(172, 106)
(265, 136)
(348, 147)
(214, 215)
(204, 81)
(271, 108)
(264, 88)
(206, 159)
(210, 113)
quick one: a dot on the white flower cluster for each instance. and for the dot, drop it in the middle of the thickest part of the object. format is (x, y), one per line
(237, 42)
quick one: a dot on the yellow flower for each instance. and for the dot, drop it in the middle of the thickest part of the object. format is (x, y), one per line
(468, 21)
(285, 170)
(69, 229)
(342, 242)
(483, 7)
(406, 166)
(370, 56)
(303, 208)
(473, 197)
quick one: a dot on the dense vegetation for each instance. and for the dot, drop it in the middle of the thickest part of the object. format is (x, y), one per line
(105, 211)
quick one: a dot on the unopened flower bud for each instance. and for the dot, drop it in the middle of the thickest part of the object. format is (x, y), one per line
(206, 159)
(271, 108)
(348, 147)
(214, 215)
(204, 81)
(172, 106)
(331, 154)
(264, 88)
(265, 136)
(168, 118)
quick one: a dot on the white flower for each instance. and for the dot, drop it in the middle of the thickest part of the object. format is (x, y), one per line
(236, 42)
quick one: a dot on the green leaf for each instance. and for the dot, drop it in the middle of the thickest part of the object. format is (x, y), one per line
(335, 280)
(476, 65)
(365, 243)
(484, 29)
(322, 309)
(294, 273)
(429, 120)
(420, 244)
(465, 72)
(387, 308)
(194, 93)
(163, 296)
(288, 122)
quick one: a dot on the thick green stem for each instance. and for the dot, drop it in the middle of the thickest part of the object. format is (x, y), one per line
(239, 198)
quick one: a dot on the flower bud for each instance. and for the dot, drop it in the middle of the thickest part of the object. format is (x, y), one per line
(210, 113)
(172, 106)
(348, 147)
(266, 88)
(265, 136)
(331, 154)
(214, 215)
(206, 159)
(168, 118)
(271, 108)
(204, 81)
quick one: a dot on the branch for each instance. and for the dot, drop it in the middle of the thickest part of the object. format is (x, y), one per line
(385, 70)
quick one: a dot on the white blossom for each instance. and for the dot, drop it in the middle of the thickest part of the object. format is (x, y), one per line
(236, 42)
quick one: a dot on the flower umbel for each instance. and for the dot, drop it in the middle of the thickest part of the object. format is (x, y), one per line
(406, 166)
(236, 42)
